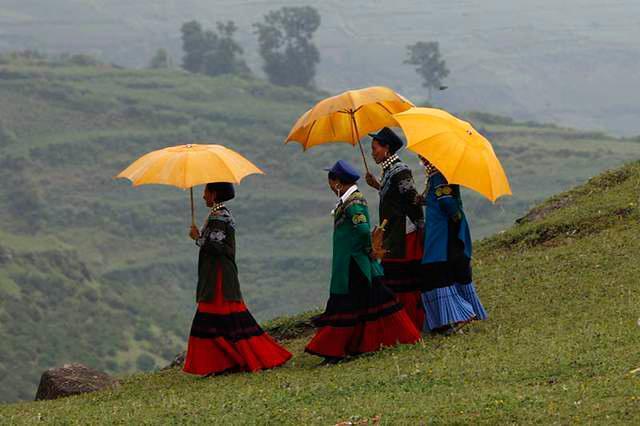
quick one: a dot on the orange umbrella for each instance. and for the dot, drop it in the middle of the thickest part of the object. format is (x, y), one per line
(347, 116)
(459, 151)
(186, 166)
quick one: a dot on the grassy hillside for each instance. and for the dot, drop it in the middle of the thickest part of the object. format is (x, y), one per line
(94, 271)
(572, 62)
(561, 345)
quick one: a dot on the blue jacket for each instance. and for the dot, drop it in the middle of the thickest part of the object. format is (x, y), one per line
(443, 210)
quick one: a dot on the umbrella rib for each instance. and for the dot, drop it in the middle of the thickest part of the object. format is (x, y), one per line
(230, 170)
(309, 132)
(493, 193)
(466, 147)
(186, 164)
(434, 136)
(384, 107)
(354, 131)
(333, 129)
(461, 157)
(350, 96)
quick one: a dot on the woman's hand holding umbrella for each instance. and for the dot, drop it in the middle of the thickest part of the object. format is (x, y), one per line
(372, 181)
(194, 233)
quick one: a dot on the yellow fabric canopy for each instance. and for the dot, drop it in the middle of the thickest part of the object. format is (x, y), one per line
(459, 151)
(348, 116)
(186, 166)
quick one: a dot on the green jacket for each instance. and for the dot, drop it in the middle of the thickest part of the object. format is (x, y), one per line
(352, 240)
(218, 255)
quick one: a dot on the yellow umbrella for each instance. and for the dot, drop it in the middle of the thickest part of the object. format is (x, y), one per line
(459, 151)
(186, 166)
(344, 117)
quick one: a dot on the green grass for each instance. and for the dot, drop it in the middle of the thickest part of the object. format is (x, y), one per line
(62, 212)
(560, 345)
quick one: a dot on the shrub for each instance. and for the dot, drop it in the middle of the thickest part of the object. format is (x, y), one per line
(145, 362)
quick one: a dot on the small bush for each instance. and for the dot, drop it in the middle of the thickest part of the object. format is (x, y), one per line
(145, 363)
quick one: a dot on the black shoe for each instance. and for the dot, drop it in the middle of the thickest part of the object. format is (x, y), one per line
(331, 360)
(447, 330)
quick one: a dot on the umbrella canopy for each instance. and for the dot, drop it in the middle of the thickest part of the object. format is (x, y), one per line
(347, 116)
(186, 166)
(459, 151)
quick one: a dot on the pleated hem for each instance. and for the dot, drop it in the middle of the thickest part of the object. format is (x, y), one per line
(444, 306)
(207, 356)
(469, 294)
(364, 337)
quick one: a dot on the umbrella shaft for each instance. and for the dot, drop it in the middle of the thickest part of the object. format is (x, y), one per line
(193, 213)
(357, 137)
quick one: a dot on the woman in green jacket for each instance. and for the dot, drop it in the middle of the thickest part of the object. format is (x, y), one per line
(361, 315)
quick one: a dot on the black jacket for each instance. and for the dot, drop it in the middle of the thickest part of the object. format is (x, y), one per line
(397, 202)
(218, 255)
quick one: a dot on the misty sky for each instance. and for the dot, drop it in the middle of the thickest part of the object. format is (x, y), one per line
(571, 62)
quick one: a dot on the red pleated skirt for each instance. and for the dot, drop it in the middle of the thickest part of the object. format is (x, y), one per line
(363, 337)
(225, 337)
(364, 320)
(403, 277)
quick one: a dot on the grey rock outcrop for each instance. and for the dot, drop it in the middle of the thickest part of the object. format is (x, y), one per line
(72, 379)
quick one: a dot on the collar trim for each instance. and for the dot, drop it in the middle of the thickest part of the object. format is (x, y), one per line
(389, 161)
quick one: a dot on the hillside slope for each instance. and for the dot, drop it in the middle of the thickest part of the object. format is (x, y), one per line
(95, 271)
(560, 346)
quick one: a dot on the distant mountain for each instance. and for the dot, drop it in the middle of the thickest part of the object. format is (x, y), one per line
(575, 63)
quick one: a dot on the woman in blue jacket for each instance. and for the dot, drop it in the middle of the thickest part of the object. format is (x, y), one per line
(449, 295)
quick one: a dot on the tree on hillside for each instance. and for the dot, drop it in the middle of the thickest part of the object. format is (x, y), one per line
(429, 64)
(193, 45)
(223, 57)
(160, 60)
(286, 46)
(212, 52)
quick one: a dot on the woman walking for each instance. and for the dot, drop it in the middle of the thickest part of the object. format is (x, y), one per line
(361, 315)
(403, 234)
(449, 296)
(224, 335)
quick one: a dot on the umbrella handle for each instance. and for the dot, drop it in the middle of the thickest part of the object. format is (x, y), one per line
(193, 213)
(366, 166)
(357, 135)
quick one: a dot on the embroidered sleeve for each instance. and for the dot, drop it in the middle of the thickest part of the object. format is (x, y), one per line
(408, 196)
(445, 195)
(358, 218)
(444, 191)
(218, 235)
(406, 185)
(362, 231)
